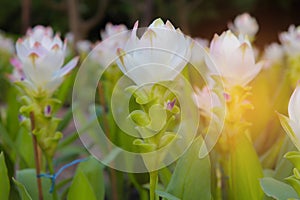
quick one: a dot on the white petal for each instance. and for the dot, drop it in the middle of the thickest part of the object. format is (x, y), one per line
(22, 50)
(294, 106)
(68, 67)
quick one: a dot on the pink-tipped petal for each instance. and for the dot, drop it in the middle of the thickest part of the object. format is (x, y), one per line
(68, 67)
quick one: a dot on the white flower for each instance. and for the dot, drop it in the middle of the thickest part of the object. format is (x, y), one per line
(233, 59)
(244, 24)
(84, 46)
(291, 40)
(292, 124)
(114, 37)
(206, 100)
(38, 32)
(111, 30)
(6, 44)
(273, 54)
(41, 56)
(158, 55)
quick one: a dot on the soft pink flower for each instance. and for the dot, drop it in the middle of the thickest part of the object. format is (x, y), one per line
(233, 59)
(206, 100)
(274, 53)
(244, 24)
(111, 30)
(158, 55)
(113, 37)
(291, 40)
(41, 58)
(6, 44)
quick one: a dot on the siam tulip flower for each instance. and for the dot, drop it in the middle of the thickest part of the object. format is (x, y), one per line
(244, 24)
(6, 44)
(273, 54)
(158, 55)
(41, 57)
(17, 74)
(113, 37)
(83, 46)
(292, 124)
(38, 32)
(206, 100)
(291, 41)
(111, 30)
(234, 59)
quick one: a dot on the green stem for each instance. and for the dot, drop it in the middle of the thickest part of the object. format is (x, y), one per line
(153, 182)
(51, 170)
(36, 157)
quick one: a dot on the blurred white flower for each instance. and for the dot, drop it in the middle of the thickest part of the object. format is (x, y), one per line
(83, 46)
(38, 32)
(291, 40)
(273, 54)
(17, 74)
(202, 42)
(111, 30)
(233, 59)
(206, 100)
(6, 44)
(244, 24)
(114, 37)
(41, 58)
(158, 55)
(69, 37)
(292, 124)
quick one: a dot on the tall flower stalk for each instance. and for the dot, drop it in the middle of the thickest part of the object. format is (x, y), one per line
(39, 73)
(163, 49)
(232, 60)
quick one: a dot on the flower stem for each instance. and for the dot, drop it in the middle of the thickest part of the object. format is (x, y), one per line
(114, 187)
(153, 182)
(51, 170)
(36, 157)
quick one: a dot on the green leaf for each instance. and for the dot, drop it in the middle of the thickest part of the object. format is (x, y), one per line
(22, 190)
(294, 158)
(244, 170)
(4, 180)
(140, 117)
(283, 166)
(285, 123)
(277, 190)
(165, 176)
(294, 182)
(140, 95)
(158, 117)
(166, 195)
(25, 149)
(81, 188)
(88, 182)
(12, 122)
(143, 146)
(191, 178)
(28, 178)
(65, 120)
(167, 138)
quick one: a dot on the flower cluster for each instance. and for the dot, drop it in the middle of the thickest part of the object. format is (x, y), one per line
(206, 104)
